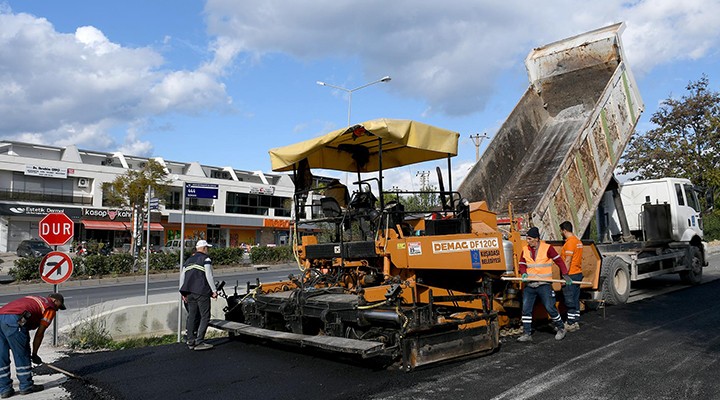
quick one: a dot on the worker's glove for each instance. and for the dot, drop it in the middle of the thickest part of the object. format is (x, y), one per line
(524, 277)
(36, 359)
(568, 280)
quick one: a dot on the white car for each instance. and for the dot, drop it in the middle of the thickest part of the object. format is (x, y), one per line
(174, 245)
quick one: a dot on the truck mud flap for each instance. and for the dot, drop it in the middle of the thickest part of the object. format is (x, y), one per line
(364, 348)
(419, 350)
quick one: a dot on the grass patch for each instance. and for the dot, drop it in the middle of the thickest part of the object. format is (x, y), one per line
(142, 342)
(94, 335)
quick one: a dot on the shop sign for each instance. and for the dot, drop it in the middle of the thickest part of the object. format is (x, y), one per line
(266, 190)
(46, 172)
(276, 223)
(105, 214)
(40, 211)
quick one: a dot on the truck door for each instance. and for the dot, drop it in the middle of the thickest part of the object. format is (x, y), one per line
(688, 215)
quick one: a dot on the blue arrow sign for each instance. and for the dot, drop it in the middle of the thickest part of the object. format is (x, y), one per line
(201, 190)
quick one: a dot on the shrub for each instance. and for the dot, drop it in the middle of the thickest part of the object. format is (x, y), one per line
(226, 255)
(90, 335)
(92, 265)
(164, 261)
(711, 226)
(26, 269)
(119, 264)
(271, 255)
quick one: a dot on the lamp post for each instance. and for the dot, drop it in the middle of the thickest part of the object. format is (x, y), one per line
(350, 91)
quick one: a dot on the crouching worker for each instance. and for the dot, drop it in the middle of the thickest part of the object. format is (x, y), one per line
(17, 319)
(536, 265)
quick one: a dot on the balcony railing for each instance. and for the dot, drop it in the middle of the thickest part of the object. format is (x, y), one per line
(41, 197)
(188, 207)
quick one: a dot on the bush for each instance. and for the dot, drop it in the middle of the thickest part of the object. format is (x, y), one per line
(226, 256)
(92, 265)
(711, 226)
(164, 261)
(271, 255)
(90, 335)
(26, 269)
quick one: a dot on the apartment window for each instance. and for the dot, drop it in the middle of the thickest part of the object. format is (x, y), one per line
(255, 204)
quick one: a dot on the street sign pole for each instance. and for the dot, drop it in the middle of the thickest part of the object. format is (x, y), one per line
(55, 323)
(182, 254)
(147, 248)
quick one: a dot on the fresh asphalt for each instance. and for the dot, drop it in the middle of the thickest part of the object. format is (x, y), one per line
(661, 347)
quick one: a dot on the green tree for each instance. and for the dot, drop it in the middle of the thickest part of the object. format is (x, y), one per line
(685, 142)
(426, 200)
(130, 191)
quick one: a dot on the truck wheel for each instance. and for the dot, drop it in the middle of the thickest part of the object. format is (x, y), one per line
(615, 276)
(693, 276)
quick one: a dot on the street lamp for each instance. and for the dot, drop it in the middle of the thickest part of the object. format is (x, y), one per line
(350, 91)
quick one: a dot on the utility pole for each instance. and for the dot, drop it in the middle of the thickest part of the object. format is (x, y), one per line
(477, 139)
(424, 177)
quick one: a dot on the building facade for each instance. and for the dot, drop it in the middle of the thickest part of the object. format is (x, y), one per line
(251, 208)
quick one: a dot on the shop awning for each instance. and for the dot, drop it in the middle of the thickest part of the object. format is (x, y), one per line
(104, 225)
(154, 226)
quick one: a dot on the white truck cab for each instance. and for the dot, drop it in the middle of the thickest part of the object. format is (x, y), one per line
(678, 193)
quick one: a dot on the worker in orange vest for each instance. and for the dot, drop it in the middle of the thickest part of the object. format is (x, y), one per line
(572, 253)
(535, 266)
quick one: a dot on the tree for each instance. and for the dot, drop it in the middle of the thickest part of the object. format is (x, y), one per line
(426, 200)
(130, 190)
(685, 143)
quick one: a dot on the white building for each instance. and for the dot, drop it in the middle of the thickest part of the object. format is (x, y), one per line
(251, 207)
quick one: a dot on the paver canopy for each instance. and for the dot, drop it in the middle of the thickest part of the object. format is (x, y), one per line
(357, 148)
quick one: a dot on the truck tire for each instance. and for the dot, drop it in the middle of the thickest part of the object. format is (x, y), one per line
(615, 280)
(693, 276)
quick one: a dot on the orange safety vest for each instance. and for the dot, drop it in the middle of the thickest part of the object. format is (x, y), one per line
(573, 247)
(539, 267)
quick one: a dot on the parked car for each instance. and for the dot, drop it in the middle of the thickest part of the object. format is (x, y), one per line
(174, 245)
(33, 248)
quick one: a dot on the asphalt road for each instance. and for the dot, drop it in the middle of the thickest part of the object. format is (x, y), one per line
(661, 347)
(78, 297)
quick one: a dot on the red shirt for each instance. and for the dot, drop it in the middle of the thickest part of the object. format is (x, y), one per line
(42, 310)
(551, 253)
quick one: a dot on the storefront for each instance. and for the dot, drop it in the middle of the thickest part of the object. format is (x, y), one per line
(114, 227)
(19, 222)
(229, 230)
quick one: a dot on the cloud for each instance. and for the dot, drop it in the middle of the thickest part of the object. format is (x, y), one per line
(454, 54)
(61, 88)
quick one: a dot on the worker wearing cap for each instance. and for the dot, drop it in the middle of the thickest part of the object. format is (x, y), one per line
(197, 286)
(535, 266)
(17, 319)
(572, 252)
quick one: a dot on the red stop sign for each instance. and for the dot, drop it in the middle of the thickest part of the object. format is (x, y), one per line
(56, 229)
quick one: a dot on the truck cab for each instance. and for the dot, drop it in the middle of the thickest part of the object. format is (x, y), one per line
(657, 209)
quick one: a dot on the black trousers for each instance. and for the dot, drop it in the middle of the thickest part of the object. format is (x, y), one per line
(198, 317)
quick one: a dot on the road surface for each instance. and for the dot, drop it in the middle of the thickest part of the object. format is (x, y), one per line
(661, 347)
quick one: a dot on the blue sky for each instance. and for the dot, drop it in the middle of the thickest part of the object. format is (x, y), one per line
(221, 82)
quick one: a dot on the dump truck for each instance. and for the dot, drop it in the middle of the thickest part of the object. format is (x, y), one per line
(553, 160)
(649, 228)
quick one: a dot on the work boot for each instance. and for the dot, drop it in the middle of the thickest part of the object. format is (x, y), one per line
(560, 335)
(572, 327)
(7, 393)
(525, 337)
(203, 346)
(32, 389)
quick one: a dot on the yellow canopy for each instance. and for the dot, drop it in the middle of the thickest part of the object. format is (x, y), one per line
(356, 148)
